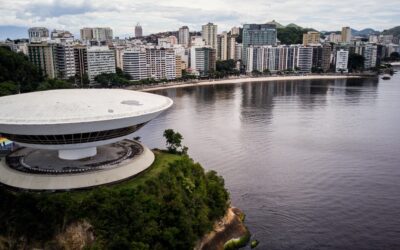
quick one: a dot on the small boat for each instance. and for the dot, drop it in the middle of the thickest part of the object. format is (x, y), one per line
(386, 77)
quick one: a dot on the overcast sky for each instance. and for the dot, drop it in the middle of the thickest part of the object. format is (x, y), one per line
(163, 15)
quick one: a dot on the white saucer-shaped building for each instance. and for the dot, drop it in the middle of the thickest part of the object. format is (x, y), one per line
(75, 132)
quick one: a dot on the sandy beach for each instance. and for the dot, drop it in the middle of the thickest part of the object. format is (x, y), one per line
(240, 80)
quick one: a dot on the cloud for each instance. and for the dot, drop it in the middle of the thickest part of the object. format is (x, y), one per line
(162, 15)
(44, 10)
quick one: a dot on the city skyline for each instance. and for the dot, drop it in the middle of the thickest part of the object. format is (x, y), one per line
(156, 17)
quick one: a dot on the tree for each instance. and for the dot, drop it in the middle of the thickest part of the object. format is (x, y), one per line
(8, 88)
(54, 84)
(266, 72)
(256, 73)
(16, 68)
(173, 141)
(356, 62)
(395, 56)
(108, 80)
(291, 35)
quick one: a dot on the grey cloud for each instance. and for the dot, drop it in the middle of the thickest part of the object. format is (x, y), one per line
(57, 9)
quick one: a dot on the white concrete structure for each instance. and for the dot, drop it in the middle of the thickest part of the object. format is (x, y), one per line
(49, 182)
(76, 121)
(100, 60)
(342, 58)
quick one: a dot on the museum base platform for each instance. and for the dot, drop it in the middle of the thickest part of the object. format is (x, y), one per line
(42, 170)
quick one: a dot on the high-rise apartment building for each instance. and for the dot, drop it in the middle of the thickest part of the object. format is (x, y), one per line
(44, 57)
(135, 63)
(346, 34)
(151, 63)
(304, 61)
(202, 60)
(209, 35)
(342, 59)
(38, 34)
(311, 37)
(161, 63)
(65, 60)
(100, 60)
(184, 36)
(321, 59)
(81, 63)
(138, 30)
(272, 58)
(370, 56)
(257, 34)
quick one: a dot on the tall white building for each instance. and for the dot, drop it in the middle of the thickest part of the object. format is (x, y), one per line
(150, 63)
(100, 60)
(184, 36)
(370, 55)
(209, 35)
(135, 63)
(342, 59)
(65, 60)
(161, 63)
(272, 58)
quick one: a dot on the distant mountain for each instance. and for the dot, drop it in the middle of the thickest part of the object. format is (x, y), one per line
(293, 25)
(364, 32)
(13, 32)
(393, 31)
(278, 25)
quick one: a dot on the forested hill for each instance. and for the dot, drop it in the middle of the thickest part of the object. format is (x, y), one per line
(170, 206)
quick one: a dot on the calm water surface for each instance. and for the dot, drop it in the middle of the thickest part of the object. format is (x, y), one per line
(314, 164)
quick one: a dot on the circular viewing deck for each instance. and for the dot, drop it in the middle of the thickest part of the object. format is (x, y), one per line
(41, 170)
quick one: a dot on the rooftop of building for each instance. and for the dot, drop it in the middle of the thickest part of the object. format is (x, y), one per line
(78, 105)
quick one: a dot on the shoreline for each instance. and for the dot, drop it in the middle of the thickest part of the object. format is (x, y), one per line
(230, 227)
(241, 80)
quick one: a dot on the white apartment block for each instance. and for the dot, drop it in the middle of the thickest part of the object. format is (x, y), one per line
(342, 59)
(370, 55)
(65, 60)
(273, 58)
(150, 63)
(135, 63)
(100, 60)
(161, 63)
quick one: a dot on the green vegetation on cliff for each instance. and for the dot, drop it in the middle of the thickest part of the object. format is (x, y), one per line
(169, 206)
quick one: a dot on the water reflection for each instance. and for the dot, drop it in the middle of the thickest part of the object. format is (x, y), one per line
(313, 163)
